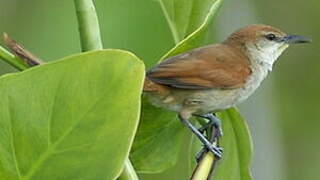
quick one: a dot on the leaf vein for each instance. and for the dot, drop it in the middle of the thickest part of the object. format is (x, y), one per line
(12, 139)
(51, 150)
(171, 24)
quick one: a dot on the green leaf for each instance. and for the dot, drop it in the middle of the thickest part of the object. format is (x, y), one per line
(186, 16)
(66, 120)
(157, 142)
(201, 17)
(237, 146)
(158, 139)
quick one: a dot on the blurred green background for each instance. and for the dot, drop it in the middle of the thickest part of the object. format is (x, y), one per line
(283, 115)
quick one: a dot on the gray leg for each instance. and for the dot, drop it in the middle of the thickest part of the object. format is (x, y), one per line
(213, 121)
(215, 150)
(216, 123)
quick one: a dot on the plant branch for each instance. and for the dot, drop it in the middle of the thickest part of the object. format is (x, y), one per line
(207, 163)
(12, 59)
(26, 56)
(203, 169)
(88, 25)
(128, 172)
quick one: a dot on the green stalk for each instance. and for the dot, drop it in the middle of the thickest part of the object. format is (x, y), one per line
(90, 40)
(12, 59)
(203, 169)
(88, 25)
(207, 163)
(128, 172)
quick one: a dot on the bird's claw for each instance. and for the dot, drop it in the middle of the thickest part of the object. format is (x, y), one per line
(217, 152)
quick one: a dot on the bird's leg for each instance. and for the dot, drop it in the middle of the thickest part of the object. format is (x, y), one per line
(207, 144)
(215, 123)
(200, 154)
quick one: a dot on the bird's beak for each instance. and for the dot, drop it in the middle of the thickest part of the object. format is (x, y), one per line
(295, 39)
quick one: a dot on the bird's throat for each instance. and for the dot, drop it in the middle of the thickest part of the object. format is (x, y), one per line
(265, 57)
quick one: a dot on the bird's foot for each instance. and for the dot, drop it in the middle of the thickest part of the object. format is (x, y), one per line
(215, 124)
(217, 151)
(213, 121)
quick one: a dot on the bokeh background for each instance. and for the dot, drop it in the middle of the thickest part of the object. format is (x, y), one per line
(283, 115)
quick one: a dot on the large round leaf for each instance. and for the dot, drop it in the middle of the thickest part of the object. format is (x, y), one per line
(71, 119)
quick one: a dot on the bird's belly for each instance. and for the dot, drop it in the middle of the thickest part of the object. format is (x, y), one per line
(218, 99)
(204, 101)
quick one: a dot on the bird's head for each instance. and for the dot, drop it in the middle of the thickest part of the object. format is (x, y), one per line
(263, 43)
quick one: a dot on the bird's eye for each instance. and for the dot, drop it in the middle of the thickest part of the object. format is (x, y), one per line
(271, 37)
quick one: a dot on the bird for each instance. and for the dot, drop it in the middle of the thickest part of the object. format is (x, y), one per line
(215, 77)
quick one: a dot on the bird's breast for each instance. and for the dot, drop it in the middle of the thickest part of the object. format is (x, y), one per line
(259, 73)
(218, 99)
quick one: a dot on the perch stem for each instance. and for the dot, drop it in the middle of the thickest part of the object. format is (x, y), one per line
(207, 163)
(12, 59)
(88, 25)
(128, 172)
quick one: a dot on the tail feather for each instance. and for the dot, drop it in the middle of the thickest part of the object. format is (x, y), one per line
(150, 86)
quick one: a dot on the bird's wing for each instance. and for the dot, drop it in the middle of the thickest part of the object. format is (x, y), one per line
(216, 66)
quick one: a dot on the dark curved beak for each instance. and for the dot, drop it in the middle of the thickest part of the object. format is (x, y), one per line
(295, 39)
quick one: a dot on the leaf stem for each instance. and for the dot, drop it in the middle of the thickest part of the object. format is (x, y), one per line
(90, 40)
(208, 161)
(88, 25)
(203, 169)
(12, 59)
(128, 172)
(172, 26)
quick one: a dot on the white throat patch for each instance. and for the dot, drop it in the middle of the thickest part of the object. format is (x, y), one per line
(265, 56)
